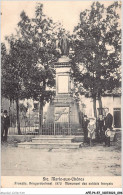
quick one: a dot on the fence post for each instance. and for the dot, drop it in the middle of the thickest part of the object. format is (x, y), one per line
(54, 124)
(40, 116)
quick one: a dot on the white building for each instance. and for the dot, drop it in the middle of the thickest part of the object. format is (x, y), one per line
(113, 102)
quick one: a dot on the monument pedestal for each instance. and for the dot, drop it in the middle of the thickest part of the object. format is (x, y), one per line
(63, 111)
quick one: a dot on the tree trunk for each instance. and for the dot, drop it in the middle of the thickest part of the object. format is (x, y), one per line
(18, 117)
(40, 116)
(10, 112)
(94, 106)
(100, 104)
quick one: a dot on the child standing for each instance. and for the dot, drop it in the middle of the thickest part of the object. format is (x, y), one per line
(91, 129)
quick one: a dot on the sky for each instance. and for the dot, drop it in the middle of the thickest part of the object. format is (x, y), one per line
(66, 12)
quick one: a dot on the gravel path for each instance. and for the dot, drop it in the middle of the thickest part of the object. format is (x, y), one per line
(86, 161)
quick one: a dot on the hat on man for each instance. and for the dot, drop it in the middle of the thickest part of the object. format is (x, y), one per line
(85, 115)
(108, 133)
(5, 111)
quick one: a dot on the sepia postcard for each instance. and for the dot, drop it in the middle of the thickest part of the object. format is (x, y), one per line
(61, 97)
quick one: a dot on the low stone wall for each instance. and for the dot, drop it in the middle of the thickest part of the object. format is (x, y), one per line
(19, 138)
(118, 139)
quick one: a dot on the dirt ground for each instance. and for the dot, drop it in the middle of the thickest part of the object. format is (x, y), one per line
(86, 161)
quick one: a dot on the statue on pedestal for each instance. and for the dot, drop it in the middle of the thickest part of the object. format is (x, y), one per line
(64, 45)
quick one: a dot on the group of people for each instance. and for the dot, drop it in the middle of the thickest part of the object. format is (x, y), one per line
(99, 130)
(5, 124)
(93, 129)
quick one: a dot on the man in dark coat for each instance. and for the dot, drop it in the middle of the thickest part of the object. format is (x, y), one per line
(85, 130)
(108, 125)
(100, 128)
(5, 124)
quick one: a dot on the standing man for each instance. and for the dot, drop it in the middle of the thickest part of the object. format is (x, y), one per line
(5, 124)
(85, 129)
(108, 126)
(100, 128)
(1, 125)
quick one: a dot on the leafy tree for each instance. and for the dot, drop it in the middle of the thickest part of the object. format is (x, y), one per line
(97, 46)
(28, 68)
(12, 74)
(42, 34)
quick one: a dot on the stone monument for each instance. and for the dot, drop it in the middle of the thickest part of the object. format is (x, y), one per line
(63, 111)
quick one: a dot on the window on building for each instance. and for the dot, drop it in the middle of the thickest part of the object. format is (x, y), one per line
(117, 117)
(35, 106)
